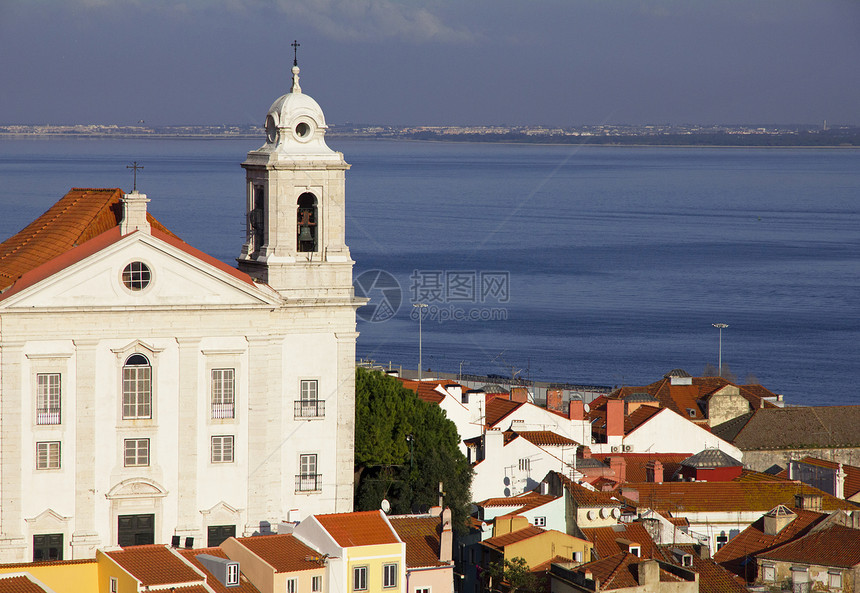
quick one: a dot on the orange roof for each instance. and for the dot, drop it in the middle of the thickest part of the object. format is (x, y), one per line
(680, 497)
(545, 566)
(635, 464)
(500, 541)
(155, 565)
(19, 584)
(583, 497)
(422, 536)
(244, 586)
(367, 528)
(81, 215)
(620, 571)
(605, 539)
(527, 498)
(835, 545)
(284, 552)
(498, 409)
(713, 578)
(753, 540)
(544, 438)
(428, 390)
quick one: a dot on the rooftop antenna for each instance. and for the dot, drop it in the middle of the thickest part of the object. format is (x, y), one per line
(134, 166)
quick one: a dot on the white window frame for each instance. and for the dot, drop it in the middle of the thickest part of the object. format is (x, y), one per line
(223, 385)
(834, 579)
(48, 398)
(114, 584)
(359, 578)
(768, 573)
(540, 522)
(316, 584)
(136, 389)
(423, 590)
(292, 585)
(525, 464)
(139, 450)
(223, 450)
(48, 455)
(389, 576)
(308, 469)
(232, 573)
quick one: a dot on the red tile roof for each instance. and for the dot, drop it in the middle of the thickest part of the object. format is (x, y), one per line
(620, 572)
(605, 539)
(754, 540)
(155, 565)
(245, 585)
(81, 215)
(544, 438)
(497, 409)
(422, 536)
(284, 552)
(639, 417)
(713, 578)
(500, 541)
(429, 390)
(19, 584)
(583, 497)
(527, 498)
(635, 464)
(680, 497)
(835, 545)
(365, 528)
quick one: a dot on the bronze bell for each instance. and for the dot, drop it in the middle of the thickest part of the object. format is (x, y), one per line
(305, 233)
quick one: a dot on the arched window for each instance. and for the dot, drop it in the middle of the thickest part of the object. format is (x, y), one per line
(306, 227)
(136, 387)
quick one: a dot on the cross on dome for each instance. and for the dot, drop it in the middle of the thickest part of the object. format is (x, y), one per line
(296, 88)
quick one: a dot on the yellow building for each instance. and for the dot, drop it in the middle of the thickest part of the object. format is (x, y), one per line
(63, 576)
(514, 537)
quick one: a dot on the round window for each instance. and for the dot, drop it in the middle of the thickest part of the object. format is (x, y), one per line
(303, 130)
(136, 276)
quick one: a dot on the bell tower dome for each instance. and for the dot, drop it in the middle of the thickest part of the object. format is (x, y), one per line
(295, 224)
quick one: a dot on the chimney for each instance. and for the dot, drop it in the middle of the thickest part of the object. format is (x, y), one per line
(619, 467)
(519, 394)
(576, 409)
(494, 440)
(446, 542)
(614, 421)
(648, 573)
(455, 390)
(654, 471)
(134, 213)
(586, 452)
(703, 551)
(554, 400)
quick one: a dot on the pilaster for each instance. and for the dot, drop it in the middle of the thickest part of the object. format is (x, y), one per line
(345, 438)
(13, 545)
(85, 538)
(188, 423)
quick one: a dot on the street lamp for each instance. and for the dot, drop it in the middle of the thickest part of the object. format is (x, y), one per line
(420, 307)
(721, 327)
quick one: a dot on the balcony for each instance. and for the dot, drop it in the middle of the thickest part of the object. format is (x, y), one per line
(309, 483)
(310, 408)
(48, 416)
(220, 411)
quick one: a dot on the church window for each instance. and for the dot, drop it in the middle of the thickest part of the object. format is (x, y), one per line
(48, 398)
(306, 227)
(136, 452)
(136, 388)
(222, 449)
(47, 547)
(48, 455)
(309, 404)
(136, 276)
(223, 393)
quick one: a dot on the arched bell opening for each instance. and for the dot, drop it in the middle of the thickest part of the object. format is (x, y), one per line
(307, 223)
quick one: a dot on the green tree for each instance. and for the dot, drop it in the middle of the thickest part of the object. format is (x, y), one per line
(404, 447)
(513, 573)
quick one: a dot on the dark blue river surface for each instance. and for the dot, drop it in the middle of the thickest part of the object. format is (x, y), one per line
(586, 264)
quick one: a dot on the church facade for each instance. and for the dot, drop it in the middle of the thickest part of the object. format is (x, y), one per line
(150, 393)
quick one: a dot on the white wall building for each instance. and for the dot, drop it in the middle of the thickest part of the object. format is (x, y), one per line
(149, 391)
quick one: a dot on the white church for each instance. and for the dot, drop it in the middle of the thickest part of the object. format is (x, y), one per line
(150, 393)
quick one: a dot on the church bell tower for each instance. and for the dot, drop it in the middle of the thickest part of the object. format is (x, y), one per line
(296, 204)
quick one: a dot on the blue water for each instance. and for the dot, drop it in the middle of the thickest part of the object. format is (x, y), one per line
(617, 260)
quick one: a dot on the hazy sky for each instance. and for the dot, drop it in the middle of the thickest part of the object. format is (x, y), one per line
(560, 62)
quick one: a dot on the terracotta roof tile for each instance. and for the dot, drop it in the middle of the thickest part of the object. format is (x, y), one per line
(497, 409)
(245, 585)
(155, 565)
(544, 438)
(754, 540)
(80, 215)
(499, 542)
(527, 498)
(605, 539)
(713, 578)
(835, 545)
(284, 552)
(545, 566)
(584, 497)
(681, 497)
(19, 584)
(620, 572)
(635, 464)
(366, 528)
(422, 536)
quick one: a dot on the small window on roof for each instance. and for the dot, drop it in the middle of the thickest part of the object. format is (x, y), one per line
(691, 412)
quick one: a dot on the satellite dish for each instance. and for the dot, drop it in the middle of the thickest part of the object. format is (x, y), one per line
(586, 408)
(485, 527)
(385, 506)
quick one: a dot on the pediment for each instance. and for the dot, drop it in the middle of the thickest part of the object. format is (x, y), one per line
(176, 277)
(49, 518)
(221, 512)
(137, 488)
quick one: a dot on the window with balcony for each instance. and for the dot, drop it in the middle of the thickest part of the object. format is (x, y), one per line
(48, 398)
(48, 455)
(223, 393)
(308, 480)
(222, 449)
(309, 405)
(136, 452)
(136, 388)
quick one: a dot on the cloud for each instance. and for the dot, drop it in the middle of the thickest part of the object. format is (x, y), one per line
(374, 20)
